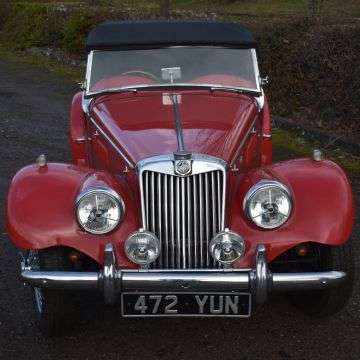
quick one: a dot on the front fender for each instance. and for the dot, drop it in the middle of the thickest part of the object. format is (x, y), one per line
(40, 210)
(323, 208)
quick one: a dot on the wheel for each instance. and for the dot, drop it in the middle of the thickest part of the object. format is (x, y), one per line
(57, 311)
(323, 303)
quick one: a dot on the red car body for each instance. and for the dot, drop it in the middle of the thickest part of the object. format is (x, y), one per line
(323, 207)
(172, 195)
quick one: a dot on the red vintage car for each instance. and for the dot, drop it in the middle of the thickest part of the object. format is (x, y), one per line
(171, 205)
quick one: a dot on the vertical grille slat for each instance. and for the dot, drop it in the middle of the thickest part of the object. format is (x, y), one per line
(196, 221)
(218, 175)
(147, 212)
(159, 217)
(201, 222)
(189, 221)
(178, 225)
(172, 223)
(152, 202)
(184, 213)
(207, 217)
(166, 220)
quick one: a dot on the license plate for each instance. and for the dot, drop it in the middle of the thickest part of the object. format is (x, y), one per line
(184, 304)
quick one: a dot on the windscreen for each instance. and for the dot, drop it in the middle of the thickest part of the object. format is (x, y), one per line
(183, 65)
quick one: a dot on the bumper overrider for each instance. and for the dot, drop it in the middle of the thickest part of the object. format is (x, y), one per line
(112, 281)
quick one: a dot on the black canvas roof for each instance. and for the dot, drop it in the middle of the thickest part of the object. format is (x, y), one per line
(125, 34)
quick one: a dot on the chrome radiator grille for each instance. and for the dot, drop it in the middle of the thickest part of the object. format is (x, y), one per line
(184, 213)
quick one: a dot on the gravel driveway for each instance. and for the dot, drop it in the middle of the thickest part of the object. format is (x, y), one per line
(34, 108)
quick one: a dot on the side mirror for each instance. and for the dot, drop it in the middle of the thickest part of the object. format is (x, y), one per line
(264, 81)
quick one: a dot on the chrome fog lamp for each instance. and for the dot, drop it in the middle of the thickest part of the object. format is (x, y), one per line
(268, 204)
(227, 247)
(99, 210)
(142, 247)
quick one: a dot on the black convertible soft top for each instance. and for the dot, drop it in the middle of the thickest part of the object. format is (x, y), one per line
(127, 34)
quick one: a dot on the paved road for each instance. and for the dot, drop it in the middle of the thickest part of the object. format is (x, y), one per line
(33, 119)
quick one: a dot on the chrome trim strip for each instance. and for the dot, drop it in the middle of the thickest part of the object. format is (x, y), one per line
(178, 126)
(244, 140)
(88, 71)
(102, 132)
(143, 87)
(64, 280)
(164, 164)
(256, 69)
(306, 281)
(260, 98)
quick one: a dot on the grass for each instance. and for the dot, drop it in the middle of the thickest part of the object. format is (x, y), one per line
(70, 73)
(287, 144)
(348, 8)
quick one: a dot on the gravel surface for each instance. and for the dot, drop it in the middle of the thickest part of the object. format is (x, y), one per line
(34, 108)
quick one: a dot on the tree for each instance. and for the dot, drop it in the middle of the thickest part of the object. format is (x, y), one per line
(314, 7)
(165, 8)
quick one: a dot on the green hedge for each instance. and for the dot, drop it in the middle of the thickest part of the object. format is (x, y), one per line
(75, 31)
(25, 25)
(313, 72)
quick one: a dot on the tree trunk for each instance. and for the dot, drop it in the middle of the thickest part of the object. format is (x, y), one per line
(315, 7)
(165, 8)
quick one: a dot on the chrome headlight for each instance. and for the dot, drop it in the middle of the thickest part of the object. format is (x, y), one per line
(99, 210)
(268, 204)
(227, 247)
(142, 247)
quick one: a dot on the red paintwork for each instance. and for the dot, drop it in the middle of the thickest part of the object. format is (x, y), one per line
(320, 214)
(52, 222)
(213, 123)
(40, 206)
(78, 132)
(266, 144)
(41, 203)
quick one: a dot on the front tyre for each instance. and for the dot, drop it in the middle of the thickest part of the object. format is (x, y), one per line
(57, 311)
(323, 303)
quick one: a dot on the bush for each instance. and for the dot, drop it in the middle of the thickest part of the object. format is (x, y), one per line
(28, 25)
(4, 14)
(75, 31)
(313, 73)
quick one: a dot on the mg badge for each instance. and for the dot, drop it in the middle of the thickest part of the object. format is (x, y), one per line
(183, 167)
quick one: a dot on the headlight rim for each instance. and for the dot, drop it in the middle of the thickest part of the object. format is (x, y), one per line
(102, 190)
(266, 184)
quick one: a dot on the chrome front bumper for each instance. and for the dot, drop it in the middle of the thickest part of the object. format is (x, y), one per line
(113, 281)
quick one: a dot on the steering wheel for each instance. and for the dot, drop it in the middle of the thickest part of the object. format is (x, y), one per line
(139, 72)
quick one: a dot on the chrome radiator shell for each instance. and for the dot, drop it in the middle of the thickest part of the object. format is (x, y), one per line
(185, 212)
